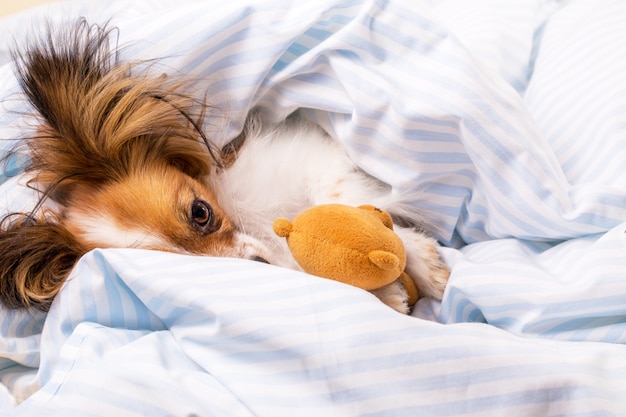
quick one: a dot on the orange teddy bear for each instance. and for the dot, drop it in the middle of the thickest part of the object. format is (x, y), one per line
(353, 245)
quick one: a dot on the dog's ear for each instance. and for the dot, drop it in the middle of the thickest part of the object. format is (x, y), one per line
(36, 257)
(109, 116)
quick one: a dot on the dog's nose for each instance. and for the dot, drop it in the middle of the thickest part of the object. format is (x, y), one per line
(260, 259)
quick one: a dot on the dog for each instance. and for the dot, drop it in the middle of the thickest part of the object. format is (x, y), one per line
(120, 158)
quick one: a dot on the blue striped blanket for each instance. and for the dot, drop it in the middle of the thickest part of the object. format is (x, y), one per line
(505, 122)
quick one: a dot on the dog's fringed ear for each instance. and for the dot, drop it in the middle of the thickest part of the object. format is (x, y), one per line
(97, 112)
(35, 260)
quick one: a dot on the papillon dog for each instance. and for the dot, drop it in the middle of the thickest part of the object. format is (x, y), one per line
(120, 158)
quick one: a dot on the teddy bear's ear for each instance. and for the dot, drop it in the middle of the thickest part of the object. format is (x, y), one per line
(282, 227)
(381, 214)
(386, 261)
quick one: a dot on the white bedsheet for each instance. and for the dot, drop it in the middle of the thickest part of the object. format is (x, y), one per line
(505, 121)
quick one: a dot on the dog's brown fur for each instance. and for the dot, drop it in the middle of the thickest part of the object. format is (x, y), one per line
(36, 257)
(100, 123)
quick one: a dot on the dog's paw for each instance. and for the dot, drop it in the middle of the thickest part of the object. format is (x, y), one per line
(424, 264)
(395, 296)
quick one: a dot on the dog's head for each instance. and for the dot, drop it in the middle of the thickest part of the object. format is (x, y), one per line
(123, 154)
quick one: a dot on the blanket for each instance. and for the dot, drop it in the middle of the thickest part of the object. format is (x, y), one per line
(504, 122)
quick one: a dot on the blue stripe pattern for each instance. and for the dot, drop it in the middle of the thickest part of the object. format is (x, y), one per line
(502, 121)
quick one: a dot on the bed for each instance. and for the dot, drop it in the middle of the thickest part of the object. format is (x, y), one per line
(505, 122)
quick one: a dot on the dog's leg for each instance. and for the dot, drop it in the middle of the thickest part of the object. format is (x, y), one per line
(424, 264)
(394, 295)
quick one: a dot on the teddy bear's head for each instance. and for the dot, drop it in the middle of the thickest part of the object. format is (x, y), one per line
(355, 245)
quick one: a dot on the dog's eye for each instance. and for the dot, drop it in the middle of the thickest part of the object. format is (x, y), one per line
(202, 217)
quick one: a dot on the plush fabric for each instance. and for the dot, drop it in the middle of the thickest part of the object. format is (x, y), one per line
(355, 245)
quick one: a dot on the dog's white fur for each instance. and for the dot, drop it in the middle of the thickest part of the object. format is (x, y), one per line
(282, 170)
